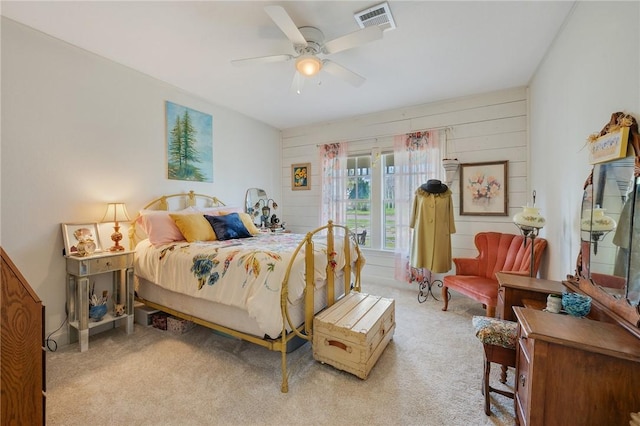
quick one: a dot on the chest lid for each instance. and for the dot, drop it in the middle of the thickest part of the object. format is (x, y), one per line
(357, 316)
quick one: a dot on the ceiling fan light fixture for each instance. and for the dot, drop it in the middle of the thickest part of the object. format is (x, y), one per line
(308, 65)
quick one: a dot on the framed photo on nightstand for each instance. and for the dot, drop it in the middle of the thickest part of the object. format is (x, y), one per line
(74, 233)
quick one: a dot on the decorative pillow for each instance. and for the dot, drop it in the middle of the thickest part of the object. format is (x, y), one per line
(159, 227)
(248, 223)
(228, 227)
(194, 227)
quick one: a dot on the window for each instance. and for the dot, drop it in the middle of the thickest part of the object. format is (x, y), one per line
(370, 195)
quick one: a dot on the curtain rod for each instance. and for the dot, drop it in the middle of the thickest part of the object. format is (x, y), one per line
(446, 128)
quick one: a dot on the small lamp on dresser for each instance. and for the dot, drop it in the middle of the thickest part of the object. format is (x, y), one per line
(116, 212)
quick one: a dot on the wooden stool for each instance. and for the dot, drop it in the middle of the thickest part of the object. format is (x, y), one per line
(498, 338)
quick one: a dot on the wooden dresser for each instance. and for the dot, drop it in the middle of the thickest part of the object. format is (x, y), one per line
(574, 371)
(22, 384)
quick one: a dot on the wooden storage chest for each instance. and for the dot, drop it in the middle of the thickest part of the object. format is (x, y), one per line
(351, 334)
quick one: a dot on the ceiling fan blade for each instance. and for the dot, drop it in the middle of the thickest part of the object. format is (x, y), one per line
(286, 24)
(352, 40)
(261, 60)
(343, 73)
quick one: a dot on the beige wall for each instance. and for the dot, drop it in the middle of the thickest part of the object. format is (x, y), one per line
(591, 71)
(79, 131)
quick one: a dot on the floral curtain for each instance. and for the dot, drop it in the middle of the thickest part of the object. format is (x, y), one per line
(333, 162)
(418, 158)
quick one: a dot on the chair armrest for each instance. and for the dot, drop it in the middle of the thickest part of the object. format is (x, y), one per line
(466, 266)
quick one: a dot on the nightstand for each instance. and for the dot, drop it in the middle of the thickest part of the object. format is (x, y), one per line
(79, 271)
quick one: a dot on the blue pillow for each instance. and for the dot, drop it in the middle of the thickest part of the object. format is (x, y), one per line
(228, 227)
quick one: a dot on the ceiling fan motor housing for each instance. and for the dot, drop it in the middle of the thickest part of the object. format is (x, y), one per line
(315, 40)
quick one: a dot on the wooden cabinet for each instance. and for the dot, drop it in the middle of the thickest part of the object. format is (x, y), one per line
(22, 384)
(574, 371)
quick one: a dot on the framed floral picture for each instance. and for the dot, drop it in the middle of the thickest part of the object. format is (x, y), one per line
(483, 188)
(300, 176)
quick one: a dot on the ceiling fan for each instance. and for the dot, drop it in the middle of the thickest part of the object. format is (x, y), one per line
(309, 43)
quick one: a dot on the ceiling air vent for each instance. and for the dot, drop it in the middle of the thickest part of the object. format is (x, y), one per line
(376, 15)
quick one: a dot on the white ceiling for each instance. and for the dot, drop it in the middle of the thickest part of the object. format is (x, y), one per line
(439, 50)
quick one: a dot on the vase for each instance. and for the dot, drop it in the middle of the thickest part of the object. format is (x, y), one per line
(96, 312)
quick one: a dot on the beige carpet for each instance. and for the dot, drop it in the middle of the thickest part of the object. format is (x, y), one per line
(430, 374)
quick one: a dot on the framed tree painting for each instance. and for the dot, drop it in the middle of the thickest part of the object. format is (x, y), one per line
(189, 144)
(483, 188)
(300, 176)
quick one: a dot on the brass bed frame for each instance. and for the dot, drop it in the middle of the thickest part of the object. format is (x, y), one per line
(298, 334)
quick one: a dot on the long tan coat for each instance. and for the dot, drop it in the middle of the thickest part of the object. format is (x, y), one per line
(432, 223)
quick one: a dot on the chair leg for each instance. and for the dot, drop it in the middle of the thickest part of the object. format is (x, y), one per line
(491, 311)
(503, 374)
(485, 387)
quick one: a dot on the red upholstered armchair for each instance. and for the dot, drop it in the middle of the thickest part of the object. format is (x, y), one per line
(476, 278)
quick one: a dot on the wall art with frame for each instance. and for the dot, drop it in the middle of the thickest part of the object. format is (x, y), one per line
(484, 188)
(189, 143)
(300, 176)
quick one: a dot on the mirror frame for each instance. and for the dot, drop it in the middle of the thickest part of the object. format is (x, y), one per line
(251, 197)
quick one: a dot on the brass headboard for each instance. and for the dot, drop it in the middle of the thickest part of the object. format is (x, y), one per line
(190, 200)
(182, 201)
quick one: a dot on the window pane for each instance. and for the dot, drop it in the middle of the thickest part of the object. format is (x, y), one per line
(388, 197)
(359, 220)
(367, 181)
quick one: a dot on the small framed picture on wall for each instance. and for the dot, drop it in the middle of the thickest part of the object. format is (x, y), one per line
(300, 176)
(483, 188)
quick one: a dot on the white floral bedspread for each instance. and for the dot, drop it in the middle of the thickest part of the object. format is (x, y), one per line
(246, 273)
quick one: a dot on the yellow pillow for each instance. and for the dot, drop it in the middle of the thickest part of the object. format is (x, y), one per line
(194, 227)
(248, 223)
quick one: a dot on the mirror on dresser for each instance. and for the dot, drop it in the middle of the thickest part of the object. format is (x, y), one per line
(608, 267)
(605, 224)
(252, 198)
(262, 209)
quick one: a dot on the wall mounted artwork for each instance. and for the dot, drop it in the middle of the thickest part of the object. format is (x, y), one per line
(483, 189)
(300, 176)
(189, 144)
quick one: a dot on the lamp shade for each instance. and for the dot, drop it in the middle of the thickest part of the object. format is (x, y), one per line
(450, 166)
(595, 220)
(308, 65)
(529, 217)
(116, 212)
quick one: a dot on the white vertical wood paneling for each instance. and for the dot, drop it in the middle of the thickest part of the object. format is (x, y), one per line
(486, 127)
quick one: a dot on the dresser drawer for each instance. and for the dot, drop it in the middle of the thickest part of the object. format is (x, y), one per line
(99, 264)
